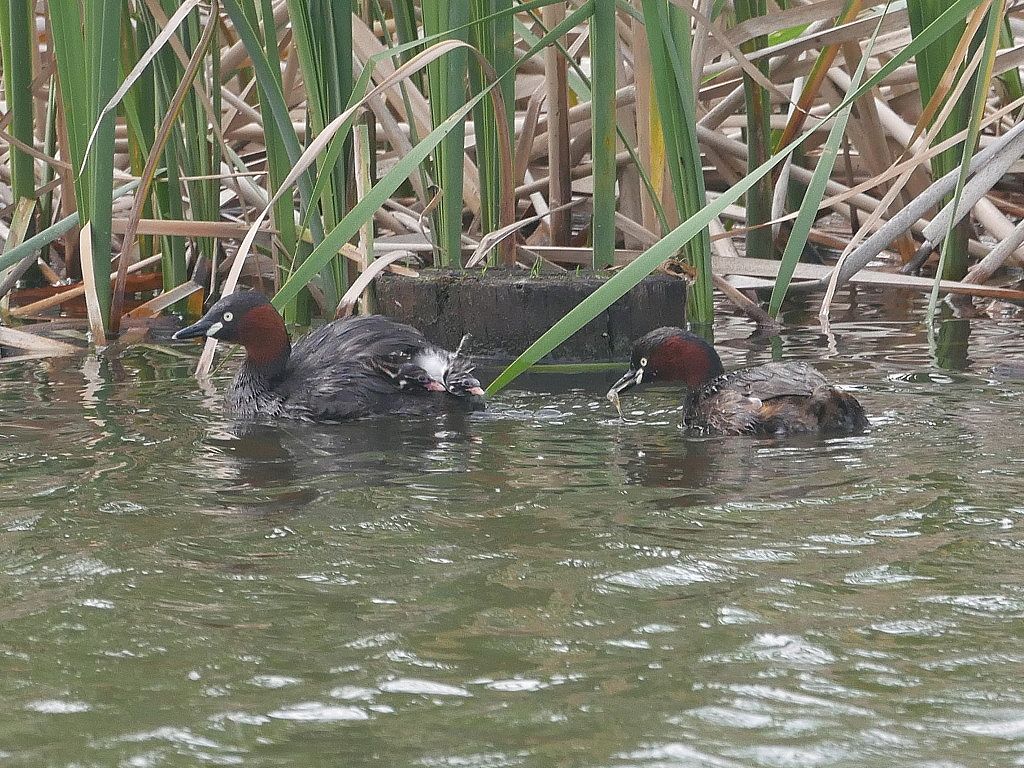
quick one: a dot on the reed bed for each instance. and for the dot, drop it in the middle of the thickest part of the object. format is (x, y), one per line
(157, 152)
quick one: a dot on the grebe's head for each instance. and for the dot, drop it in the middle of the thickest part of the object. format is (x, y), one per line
(410, 376)
(459, 379)
(247, 318)
(669, 354)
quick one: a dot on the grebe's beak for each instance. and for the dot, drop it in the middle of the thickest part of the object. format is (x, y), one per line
(472, 387)
(203, 327)
(629, 379)
(435, 386)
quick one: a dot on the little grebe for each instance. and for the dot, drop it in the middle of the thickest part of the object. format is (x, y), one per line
(344, 369)
(772, 399)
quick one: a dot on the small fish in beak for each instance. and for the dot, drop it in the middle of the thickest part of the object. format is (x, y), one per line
(629, 379)
(613, 397)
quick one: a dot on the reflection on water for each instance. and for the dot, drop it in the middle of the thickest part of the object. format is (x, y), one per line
(541, 584)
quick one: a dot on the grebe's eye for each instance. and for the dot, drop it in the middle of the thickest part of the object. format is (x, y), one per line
(228, 317)
(643, 362)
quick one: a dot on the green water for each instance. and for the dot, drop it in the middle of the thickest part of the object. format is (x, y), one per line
(540, 585)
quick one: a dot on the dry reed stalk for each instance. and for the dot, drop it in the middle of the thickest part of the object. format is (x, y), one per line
(92, 301)
(559, 179)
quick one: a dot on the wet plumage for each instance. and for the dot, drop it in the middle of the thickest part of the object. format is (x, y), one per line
(770, 400)
(342, 370)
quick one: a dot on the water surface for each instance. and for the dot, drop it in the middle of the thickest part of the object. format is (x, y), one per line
(541, 585)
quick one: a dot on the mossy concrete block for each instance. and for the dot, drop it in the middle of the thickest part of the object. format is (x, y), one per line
(507, 311)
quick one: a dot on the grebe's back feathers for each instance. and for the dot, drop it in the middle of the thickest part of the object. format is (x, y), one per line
(769, 381)
(335, 371)
(773, 399)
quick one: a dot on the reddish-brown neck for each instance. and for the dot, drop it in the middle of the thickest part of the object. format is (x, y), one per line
(264, 337)
(690, 360)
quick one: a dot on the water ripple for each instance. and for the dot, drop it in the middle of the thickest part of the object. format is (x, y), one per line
(776, 648)
(913, 627)
(317, 712)
(981, 604)
(673, 575)
(58, 706)
(422, 687)
(879, 574)
(814, 704)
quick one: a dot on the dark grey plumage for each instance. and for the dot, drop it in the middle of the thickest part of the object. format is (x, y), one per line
(342, 370)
